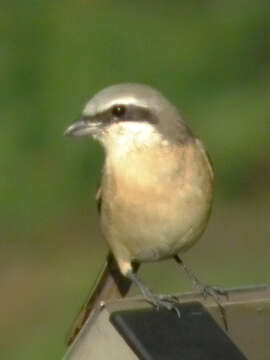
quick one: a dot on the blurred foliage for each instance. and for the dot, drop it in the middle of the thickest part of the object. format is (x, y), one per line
(211, 58)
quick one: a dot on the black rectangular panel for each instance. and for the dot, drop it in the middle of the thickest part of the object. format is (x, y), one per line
(162, 335)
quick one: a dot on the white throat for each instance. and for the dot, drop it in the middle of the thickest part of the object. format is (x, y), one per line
(121, 138)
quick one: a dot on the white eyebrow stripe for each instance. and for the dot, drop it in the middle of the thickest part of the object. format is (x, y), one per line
(121, 101)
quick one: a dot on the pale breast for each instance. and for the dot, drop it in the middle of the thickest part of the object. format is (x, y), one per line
(156, 201)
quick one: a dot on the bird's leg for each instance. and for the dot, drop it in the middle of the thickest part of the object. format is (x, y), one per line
(204, 289)
(158, 301)
(214, 291)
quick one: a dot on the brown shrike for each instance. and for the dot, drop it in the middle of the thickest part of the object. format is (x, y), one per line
(156, 189)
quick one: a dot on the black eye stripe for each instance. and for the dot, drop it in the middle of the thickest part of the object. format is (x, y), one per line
(133, 113)
(122, 112)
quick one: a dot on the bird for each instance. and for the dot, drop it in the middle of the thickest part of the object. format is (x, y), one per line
(156, 189)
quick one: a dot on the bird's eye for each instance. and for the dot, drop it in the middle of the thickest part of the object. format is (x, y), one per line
(119, 110)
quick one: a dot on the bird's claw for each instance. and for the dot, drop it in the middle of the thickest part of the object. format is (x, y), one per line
(216, 293)
(213, 291)
(168, 302)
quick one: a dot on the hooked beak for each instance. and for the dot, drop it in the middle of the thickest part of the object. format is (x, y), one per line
(82, 128)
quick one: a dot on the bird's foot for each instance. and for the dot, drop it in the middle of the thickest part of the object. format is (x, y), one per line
(168, 302)
(215, 292)
(158, 301)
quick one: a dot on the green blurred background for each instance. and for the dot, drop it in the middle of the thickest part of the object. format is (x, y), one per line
(211, 58)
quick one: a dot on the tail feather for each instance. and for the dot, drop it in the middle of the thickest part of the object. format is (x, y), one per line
(110, 284)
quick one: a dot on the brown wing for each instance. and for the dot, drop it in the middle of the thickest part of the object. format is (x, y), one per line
(99, 199)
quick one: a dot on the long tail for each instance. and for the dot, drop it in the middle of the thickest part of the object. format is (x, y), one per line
(110, 284)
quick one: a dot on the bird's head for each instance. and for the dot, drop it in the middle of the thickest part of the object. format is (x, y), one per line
(130, 114)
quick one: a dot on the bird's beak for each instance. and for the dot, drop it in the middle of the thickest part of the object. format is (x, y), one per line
(82, 128)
